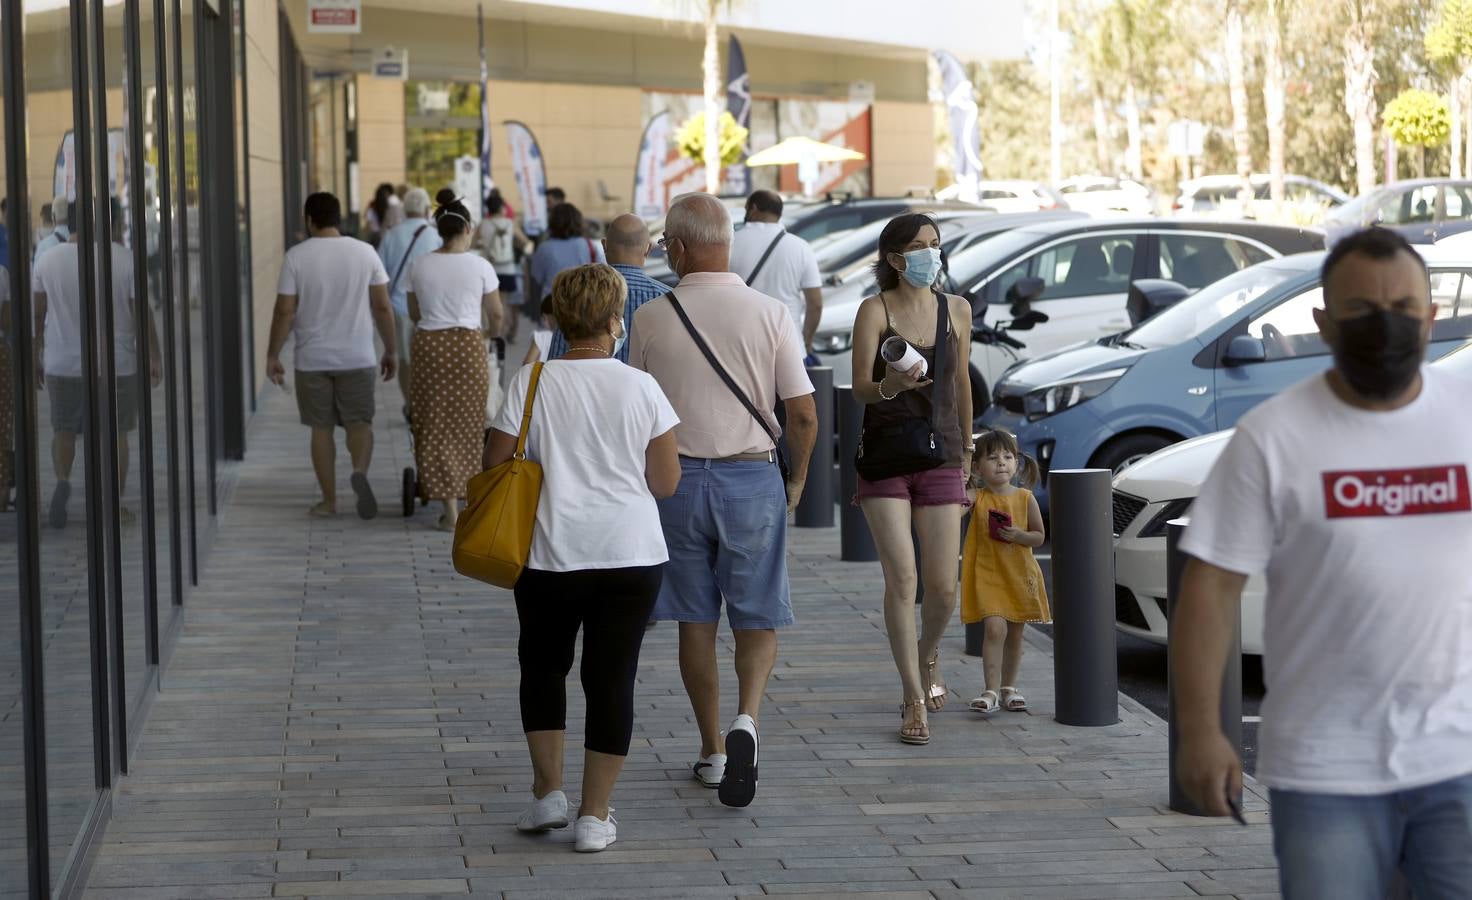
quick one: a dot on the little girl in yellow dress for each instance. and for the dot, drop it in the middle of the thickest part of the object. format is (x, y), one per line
(1001, 582)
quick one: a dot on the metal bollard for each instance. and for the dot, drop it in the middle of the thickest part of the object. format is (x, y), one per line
(856, 543)
(815, 509)
(1085, 661)
(1231, 699)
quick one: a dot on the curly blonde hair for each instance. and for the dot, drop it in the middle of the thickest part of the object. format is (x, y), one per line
(585, 298)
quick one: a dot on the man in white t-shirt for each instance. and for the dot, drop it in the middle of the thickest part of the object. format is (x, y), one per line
(333, 292)
(1351, 491)
(779, 264)
(61, 370)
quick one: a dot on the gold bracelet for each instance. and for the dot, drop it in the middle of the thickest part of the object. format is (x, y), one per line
(880, 386)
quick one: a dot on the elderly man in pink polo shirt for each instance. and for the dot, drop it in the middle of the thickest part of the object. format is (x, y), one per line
(724, 353)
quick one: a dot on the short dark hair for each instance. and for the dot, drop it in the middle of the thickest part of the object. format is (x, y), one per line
(900, 231)
(323, 210)
(557, 193)
(769, 202)
(1374, 242)
(565, 221)
(495, 202)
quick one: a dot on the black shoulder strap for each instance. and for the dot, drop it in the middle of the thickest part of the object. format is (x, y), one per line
(942, 342)
(720, 370)
(781, 233)
(405, 261)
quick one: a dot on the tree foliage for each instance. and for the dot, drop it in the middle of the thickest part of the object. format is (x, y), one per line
(690, 139)
(1417, 118)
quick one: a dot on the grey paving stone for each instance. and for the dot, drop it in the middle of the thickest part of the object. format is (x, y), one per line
(340, 719)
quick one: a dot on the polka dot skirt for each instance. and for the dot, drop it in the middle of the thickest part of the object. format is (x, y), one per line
(449, 388)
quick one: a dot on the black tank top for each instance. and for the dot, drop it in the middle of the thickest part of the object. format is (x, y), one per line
(917, 404)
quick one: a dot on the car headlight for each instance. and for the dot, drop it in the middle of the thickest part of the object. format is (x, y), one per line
(833, 341)
(1055, 398)
(1175, 509)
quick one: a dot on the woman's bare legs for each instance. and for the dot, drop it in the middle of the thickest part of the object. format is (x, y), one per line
(939, 531)
(546, 753)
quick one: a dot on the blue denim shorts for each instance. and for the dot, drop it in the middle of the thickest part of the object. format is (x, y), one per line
(726, 529)
(1340, 847)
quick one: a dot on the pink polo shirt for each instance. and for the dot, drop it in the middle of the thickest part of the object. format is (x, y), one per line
(754, 338)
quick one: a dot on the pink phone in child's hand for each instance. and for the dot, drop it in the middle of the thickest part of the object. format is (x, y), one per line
(996, 520)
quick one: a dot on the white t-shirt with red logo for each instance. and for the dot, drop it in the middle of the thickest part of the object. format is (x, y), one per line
(1363, 522)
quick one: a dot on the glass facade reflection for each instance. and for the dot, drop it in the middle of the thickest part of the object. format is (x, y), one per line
(126, 349)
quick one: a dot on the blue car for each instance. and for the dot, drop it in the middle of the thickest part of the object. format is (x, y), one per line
(1194, 368)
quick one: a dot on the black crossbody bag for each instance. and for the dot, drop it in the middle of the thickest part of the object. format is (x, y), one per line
(914, 445)
(734, 388)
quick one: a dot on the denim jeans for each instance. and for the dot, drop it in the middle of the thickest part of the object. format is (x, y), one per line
(1346, 847)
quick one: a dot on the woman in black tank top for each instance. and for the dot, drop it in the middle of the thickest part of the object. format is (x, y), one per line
(932, 501)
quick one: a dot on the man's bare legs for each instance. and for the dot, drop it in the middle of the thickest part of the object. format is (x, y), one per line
(360, 446)
(63, 454)
(324, 463)
(702, 682)
(756, 655)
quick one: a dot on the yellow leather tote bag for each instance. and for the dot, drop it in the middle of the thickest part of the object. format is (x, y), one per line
(493, 536)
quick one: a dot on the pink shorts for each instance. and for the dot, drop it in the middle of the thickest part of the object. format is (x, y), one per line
(945, 486)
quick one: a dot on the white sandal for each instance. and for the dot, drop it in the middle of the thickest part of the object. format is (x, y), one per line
(1012, 700)
(986, 703)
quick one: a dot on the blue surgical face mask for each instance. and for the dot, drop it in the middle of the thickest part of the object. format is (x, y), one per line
(922, 266)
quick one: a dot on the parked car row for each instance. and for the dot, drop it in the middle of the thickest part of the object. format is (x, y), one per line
(1162, 487)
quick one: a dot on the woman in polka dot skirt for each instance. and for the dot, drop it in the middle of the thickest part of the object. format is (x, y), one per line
(451, 292)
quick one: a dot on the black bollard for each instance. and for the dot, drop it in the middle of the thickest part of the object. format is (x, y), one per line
(1231, 700)
(815, 509)
(1085, 664)
(856, 543)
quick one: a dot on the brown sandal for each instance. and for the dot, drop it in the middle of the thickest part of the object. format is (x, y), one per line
(913, 732)
(935, 691)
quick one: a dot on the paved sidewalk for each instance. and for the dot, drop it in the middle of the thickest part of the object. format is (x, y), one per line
(339, 719)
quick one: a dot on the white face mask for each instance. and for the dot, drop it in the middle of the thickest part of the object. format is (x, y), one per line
(619, 336)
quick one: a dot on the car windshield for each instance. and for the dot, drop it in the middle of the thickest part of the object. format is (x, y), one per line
(1459, 360)
(1206, 307)
(981, 257)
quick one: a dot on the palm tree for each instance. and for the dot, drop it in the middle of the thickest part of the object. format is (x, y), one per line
(1362, 23)
(1274, 93)
(1449, 43)
(1237, 77)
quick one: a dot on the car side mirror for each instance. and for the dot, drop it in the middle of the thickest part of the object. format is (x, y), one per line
(1027, 320)
(1244, 349)
(1022, 292)
(1149, 296)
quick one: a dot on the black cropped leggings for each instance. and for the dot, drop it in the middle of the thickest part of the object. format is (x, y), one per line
(612, 607)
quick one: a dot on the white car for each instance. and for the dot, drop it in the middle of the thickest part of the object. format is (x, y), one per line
(1161, 487)
(1217, 196)
(1100, 195)
(1012, 196)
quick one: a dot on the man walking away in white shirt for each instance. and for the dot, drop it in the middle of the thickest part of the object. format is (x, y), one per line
(1351, 491)
(333, 292)
(779, 264)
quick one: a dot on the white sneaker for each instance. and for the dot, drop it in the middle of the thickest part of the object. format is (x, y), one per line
(738, 787)
(594, 834)
(545, 814)
(711, 769)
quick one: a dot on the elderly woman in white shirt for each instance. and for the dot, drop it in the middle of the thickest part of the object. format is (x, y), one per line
(449, 291)
(604, 435)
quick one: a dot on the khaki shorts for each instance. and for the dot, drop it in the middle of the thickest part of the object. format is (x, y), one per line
(328, 399)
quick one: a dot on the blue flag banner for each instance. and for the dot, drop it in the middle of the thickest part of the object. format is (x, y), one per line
(738, 104)
(486, 182)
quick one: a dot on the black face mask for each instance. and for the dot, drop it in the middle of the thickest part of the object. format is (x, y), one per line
(1379, 353)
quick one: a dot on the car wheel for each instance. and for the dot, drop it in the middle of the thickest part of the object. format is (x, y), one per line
(1126, 450)
(980, 397)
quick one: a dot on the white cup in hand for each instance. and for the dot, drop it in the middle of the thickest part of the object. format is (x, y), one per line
(901, 357)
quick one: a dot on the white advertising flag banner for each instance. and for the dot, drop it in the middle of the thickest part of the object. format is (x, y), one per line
(531, 177)
(651, 194)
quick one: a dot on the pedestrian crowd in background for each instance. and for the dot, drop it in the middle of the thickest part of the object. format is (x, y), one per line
(660, 418)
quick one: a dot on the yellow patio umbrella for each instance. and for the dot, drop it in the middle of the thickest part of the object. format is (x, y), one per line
(806, 154)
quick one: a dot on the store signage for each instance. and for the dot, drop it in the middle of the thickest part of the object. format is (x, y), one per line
(391, 63)
(334, 16)
(433, 98)
(1186, 138)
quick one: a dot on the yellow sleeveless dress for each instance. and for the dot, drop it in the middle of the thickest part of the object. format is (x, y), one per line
(1000, 578)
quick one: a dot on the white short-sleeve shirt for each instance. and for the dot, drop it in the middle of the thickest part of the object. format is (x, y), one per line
(448, 288)
(58, 276)
(791, 268)
(1363, 522)
(330, 277)
(592, 421)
